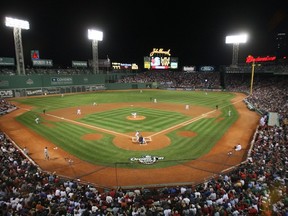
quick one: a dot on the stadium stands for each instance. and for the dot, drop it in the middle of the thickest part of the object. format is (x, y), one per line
(257, 187)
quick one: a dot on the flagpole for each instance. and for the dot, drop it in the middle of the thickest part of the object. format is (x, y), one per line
(252, 77)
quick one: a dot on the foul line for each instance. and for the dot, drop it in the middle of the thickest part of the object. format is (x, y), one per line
(85, 125)
(191, 120)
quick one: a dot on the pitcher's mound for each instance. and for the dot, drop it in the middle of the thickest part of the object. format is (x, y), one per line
(138, 117)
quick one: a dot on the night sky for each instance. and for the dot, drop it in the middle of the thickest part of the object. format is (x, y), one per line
(193, 31)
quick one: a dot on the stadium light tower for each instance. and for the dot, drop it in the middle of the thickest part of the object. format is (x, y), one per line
(236, 40)
(95, 36)
(17, 26)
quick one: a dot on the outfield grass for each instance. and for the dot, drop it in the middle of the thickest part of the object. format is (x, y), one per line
(103, 152)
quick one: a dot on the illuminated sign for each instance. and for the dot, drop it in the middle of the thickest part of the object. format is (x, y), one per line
(207, 68)
(174, 65)
(134, 66)
(35, 55)
(160, 51)
(160, 62)
(124, 66)
(79, 64)
(7, 61)
(189, 68)
(160, 59)
(43, 62)
(250, 59)
(147, 62)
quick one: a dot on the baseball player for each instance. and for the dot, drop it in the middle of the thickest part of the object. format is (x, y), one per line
(78, 112)
(37, 120)
(46, 154)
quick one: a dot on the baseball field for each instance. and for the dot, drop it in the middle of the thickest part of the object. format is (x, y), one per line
(188, 134)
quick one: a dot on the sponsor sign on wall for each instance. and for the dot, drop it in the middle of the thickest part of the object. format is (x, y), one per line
(6, 93)
(32, 92)
(4, 83)
(61, 80)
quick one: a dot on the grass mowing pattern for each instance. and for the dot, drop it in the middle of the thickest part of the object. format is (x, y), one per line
(115, 120)
(103, 152)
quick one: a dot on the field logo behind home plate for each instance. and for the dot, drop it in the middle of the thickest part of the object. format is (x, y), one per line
(147, 159)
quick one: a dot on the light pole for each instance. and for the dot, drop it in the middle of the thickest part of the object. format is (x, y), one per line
(17, 25)
(252, 77)
(95, 36)
(236, 40)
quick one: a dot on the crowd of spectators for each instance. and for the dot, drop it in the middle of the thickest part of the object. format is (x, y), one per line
(6, 106)
(176, 79)
(256, 187)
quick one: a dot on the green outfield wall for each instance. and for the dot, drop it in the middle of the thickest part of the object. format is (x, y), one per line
(33, 81)
(32, 85)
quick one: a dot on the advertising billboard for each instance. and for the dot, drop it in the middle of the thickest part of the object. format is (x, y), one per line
(35, 55)
(79, 64)
(43, 62)
(5, 61)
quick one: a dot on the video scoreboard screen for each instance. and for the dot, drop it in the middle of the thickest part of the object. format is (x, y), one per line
(160, 59)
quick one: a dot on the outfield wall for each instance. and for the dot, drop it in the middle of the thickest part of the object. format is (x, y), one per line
(36, 81)
(32, 85)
